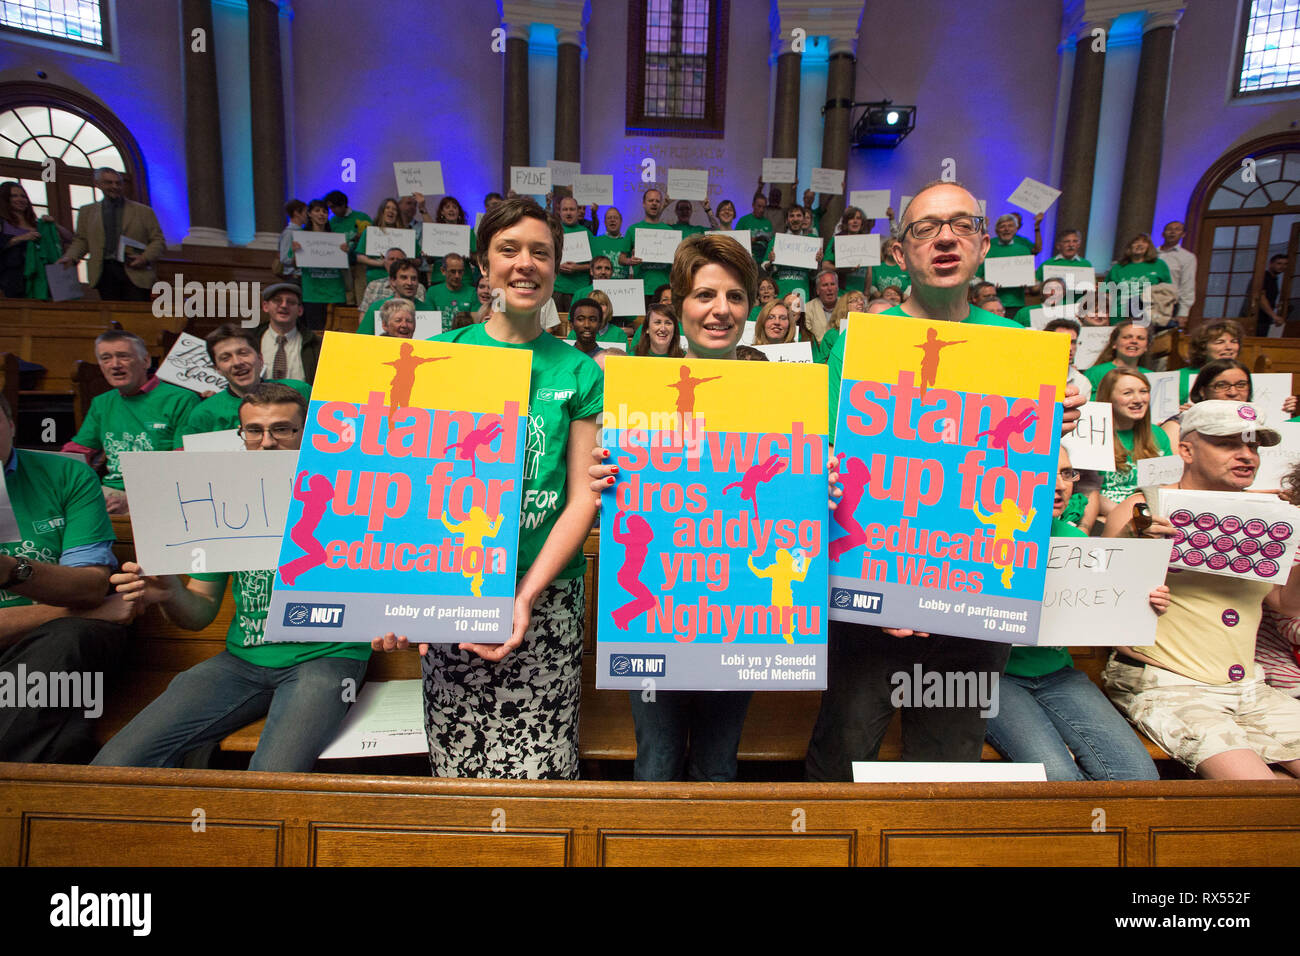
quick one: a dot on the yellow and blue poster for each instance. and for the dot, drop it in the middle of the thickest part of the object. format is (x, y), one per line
(713, 540)
(405, 509)
(947, 436)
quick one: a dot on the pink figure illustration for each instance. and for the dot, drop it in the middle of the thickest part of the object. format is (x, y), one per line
(766, 470)
(931, 348)
(1001, 433)
(854, 476)
(399, 395)
(686, 386)
(470, 444)
(315, 498)
(636, 546)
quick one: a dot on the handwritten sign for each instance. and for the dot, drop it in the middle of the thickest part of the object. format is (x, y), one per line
(425, 177)
(207, 511)
(320, 250)
(1098, 588)
(1092, 342)
(1010, 271)
(189, 366)
(1269, 390)
(1076, 278)
(873, 202)
(1035, 196)
(64, 282)
(780, 170)
(787, 352)
(225, 440)
(742, 236)
(1276, 462)
(1162, 470)
(530, 180)
(379, 240)
(830, 181)
(1040, 315)
(1231, 533)
(441, 238)
(855, 251)
(748, 332)
(801, 251)
(428, 323)
(692, 184)
(1092, 443)
(657, 245)
(627, 296)
(593, 189)
(577, 246)
(1164, 395)
(563, 172)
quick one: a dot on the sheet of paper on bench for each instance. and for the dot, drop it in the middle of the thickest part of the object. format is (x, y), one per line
(189, 366)
(225, 440)
(692, 184)
(440, 238)
(780, 170)
(1275, 462)
(800, 251)
(320, 250)
(917, 771)
(595, 188)
(425, 177)
(380, 240)
(8, 520)
(428, 323)
(1010, 271)
(627, 296)
(227, 509)
(657, 245)
(1035, 196)
(1097, 589)
(64, 283)
(1092, 443)
(874, 203)
(577, 246)
(387, 720)
(855, 251)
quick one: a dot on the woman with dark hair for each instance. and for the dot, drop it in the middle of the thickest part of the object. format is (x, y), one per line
(27, 245)
(767, 292)
(853, 223)
(1129, 394)
(663, 333)
(724, 217)
(1127, 348)
(320, 287)
(389, 216)
(1225, 379)
(1139, 267)
(450, 211)
(511, 710)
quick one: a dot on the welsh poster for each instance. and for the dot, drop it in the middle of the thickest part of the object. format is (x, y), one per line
(713, 539)
(948, 458)
(405, 508)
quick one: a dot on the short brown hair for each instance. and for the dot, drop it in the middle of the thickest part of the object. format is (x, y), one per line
(701, 250)
(229, 330)
(273, 393)
(1206, 333)
(401, 264)
(509, 212)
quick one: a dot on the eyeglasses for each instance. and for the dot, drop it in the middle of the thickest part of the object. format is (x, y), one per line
(1067, 474)
(1222, 388)
(924, 229)
(255, 433)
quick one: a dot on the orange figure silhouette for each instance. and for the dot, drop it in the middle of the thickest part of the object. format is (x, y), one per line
(470, 444)
(315, 499)
(748, 485)
(636, 547)
(399, 394)
(1001, 433)
(931, 348)
(686, 393)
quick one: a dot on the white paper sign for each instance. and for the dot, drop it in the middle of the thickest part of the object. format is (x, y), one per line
(64, 283)
(387, 720)
(530, 180)
(1035, 196)
(1010, 271)
(320, 250)
(1164, 395)
(227, 510)
(830, 181)
(129, 247)
(593, 189)
(798, 251)
(188, 365)
(1276, 462)
(1164, 470)
(1097, 591)
(657, 245)
(627, 296)
(1092, 342)
(563, 172)
(1092, 443)
(1269, 390)
(787, 352)
(380, 240)
(904, 203)
(425, 177)
(1076, 278)
(872, 202)
(8, 520)
(780, 170)
(427, 324)
(440, 238)
(577, 246)
(225, 440)
(692, 184)
(742, 236)
(1231, 533)
(919, 771)
(855, 251)
(747, 334)
(1040, 315)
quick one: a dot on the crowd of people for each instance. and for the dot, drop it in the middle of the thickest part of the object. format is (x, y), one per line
(1208, 692)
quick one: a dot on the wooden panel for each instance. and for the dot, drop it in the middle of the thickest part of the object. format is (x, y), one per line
(641, 849)
(66, 841)
(1221, 847)
(386, 846)
(1002, 849)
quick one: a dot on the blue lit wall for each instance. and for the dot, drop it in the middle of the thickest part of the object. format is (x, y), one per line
(1123, 51)
(812, 97)
(543, 64)
(230, 46)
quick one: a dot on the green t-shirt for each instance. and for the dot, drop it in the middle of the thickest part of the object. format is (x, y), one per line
(444, 300)
(651, 274)
(472, 274)
(835, 361)
(220, 412)
(887, 275)
(1013, 297)
(821, 351)
(149, 420)
(1130, 279)
(370, 320)
(1098, 372)
(857, 279)
(760, 234)
(328, 285)
(1060, 261)
(349, 225)
(1040, 661)
(569, 283)
(611, 333)
(247, 631)
(1186, 376)
(565, 386)
(611, 246)
(58, 506)
(1118, 485)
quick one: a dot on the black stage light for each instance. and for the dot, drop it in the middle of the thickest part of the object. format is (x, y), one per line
(883, 125)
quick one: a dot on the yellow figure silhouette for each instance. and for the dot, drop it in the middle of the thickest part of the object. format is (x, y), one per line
(782, 574)
(474, 528)
(1006, 522)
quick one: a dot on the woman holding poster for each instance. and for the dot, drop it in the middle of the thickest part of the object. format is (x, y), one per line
(511, 710)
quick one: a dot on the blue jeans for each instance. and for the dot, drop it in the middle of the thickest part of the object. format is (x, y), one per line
(694, 730)
(303, 706)
(1064, 722)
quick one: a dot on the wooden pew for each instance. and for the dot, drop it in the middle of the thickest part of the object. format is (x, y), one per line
(58, 348)
(9, 384)
(137, 317)
(1270, 355)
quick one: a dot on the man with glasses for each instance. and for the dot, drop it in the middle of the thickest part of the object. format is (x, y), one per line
(299, 688)
(942, 243)
(290, 348)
